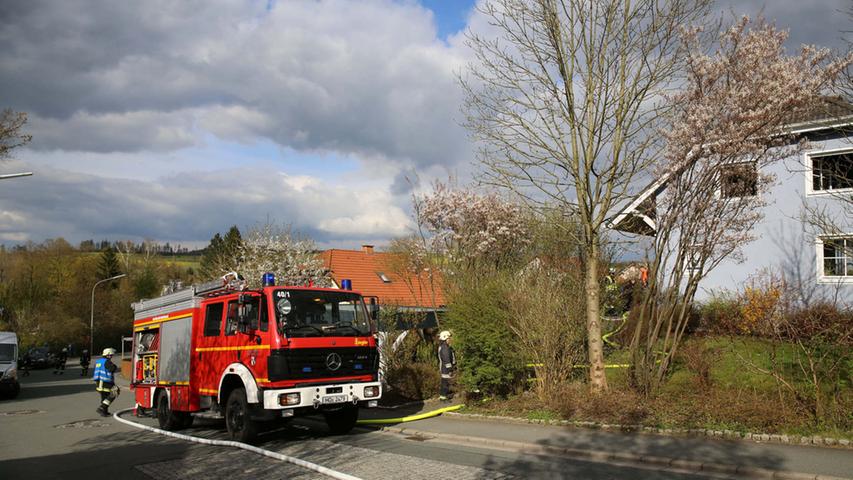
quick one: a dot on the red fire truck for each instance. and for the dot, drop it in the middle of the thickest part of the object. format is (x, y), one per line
(221, 350)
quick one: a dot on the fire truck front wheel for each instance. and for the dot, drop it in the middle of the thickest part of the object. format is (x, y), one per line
(166, 417)
(238, 421)
(341, 421)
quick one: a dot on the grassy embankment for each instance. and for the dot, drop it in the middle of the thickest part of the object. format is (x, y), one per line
(712, 386)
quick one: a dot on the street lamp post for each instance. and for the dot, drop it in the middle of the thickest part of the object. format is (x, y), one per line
(92, 311)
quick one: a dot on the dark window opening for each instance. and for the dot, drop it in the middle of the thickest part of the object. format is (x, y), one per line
(212, 319)
(832, 172)
(739, 180)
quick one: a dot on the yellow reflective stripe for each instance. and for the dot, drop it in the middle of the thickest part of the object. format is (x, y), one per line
(161, 320)
(263, 380)
(211, 391)
(167, 383)
(226, 349)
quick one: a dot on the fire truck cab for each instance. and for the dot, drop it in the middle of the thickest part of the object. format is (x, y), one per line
(221, 350)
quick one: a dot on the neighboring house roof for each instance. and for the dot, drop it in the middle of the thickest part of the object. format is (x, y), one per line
(637, 216)
(828, 112)
(365, 269)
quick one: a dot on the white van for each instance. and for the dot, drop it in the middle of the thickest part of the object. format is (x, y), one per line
(9, 364)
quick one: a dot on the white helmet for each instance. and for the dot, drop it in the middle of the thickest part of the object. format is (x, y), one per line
(444, 335)
(108, 352)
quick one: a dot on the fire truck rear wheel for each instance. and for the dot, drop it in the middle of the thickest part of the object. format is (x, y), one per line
(186, 420)
(238, 421)
(341, 421)
(166, 417)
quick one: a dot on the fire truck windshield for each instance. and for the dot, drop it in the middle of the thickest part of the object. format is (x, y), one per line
(305, 313)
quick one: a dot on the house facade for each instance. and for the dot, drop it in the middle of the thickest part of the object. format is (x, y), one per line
(805, 236)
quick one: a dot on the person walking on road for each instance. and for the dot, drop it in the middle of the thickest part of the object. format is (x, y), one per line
(85, 358)
(104, 376)
(25, 364)
(60, 362)
(447, 364)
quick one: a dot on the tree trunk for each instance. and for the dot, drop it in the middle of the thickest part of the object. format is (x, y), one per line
(597, 379)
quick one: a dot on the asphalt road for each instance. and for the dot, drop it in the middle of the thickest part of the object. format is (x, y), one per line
(52, 431)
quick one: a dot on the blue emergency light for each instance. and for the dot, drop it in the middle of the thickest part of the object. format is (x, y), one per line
(346, 284)
(268, 280)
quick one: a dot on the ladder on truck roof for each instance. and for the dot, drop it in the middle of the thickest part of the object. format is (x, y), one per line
(187, 298)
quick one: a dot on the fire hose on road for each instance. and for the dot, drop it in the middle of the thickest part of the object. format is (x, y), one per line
(227, 443)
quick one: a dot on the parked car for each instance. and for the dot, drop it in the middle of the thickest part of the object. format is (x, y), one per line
(40, 357)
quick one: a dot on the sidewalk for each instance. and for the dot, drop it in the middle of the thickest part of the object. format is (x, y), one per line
(677, 451)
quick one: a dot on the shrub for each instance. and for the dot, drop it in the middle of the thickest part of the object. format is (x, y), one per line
(699, 360)
(487, 354)
(721, 314)
(415, 381)
(759, 306)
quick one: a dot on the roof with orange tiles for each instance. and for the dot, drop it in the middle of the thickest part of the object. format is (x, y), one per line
(366, 267)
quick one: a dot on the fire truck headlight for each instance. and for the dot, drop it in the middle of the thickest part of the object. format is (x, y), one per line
(370, 392)
(289, 399)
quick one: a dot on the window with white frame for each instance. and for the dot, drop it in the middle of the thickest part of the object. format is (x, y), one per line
(739, 180)
(832, 171)
(836, 257)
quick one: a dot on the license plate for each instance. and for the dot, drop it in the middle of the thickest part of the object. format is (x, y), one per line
(335, 399)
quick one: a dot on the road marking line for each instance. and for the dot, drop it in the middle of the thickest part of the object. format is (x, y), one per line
(228, 443)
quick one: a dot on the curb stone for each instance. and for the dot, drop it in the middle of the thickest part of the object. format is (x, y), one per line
(606, 457)
(731, 434)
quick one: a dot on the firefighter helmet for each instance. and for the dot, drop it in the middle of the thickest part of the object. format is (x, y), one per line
(444, 335)
(108, 352)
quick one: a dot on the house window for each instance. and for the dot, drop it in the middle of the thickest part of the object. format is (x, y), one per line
(383, 277)
(832, 172)
(739, 180)
(837, 258)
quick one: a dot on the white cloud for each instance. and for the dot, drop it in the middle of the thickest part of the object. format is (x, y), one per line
(192, 206)
(139, 112)
(353, 77)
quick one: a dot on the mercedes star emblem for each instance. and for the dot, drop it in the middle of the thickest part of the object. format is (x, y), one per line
(333, 361)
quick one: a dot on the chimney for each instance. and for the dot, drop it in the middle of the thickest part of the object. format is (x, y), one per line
(367, 249)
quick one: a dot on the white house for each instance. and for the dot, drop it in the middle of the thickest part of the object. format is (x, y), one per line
(817, 261)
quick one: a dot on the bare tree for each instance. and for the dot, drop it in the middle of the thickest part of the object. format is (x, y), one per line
(564, 101)
(11, 137)
(728, 125)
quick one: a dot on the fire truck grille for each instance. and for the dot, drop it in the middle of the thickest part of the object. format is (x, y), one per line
(308, 363)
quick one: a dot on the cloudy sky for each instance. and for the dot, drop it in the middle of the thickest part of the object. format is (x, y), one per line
(174, 120)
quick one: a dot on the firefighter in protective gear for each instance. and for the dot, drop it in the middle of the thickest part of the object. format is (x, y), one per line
(447, 364)
(59, 367)
(85, 358)
(104, 376)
